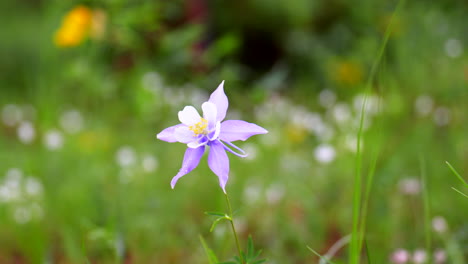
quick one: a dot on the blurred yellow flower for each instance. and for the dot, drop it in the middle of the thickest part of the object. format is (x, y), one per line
(78, 24)
(295, 133)
(91, 141)
(348, 73)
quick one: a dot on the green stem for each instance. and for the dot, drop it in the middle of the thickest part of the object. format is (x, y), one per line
(231, 219)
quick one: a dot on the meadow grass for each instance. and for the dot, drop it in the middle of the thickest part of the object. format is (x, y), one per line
(91, 185)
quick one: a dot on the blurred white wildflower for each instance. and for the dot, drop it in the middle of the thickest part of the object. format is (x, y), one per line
(125, 156)
(274, 193)
(33, 187)
(14, 174)
(26, 132)
(453, 48)
(11, 114)
(341, 113)
(22, 215)
(9, 193)
(442, 116)
(327, 98)
(71, 121)
(419, 256)
(251, 150)
(324, 153)
(439, 224)
(21, 194)
(409, 186)
(53, 139)
(400, 256)
(149, 163)
(423, 105)
(440, 256)
(10, 189)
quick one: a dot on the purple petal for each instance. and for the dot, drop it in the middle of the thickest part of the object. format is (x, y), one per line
(232, 130)
(218, 162)
(219, 98)
(191, 159)
(168, 134)
(183, 134)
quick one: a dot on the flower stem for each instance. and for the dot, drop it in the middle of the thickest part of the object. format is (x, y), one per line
(231, 219)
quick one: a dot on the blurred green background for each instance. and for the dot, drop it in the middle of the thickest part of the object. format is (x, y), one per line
(86, 85)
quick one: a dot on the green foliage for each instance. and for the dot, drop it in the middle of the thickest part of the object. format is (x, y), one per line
(459, 177)
(250, 256)
(209, 252)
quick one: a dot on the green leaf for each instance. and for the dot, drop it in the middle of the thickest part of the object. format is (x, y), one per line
(250, 248)
(217, 221)
(211, 256)
(215, 213)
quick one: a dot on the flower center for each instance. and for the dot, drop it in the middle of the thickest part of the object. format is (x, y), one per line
(200, 127)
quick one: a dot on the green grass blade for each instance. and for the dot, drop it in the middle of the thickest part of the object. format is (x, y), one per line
(354, 254)
(459, 192)
(320, 256)
(366, 247)
(456, 174)
(209, 252)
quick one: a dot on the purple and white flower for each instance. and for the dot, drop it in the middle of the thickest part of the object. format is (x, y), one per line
(210, 130)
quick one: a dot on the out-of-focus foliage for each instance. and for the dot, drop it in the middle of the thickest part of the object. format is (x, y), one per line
(86, 85)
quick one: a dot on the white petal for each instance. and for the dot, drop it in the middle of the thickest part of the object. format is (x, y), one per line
(184, 135)
(209, 112)
(217, 131)
(189, 116)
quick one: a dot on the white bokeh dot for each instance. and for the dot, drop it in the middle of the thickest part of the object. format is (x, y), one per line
(26, 132)
(324, 153)
(53, 139)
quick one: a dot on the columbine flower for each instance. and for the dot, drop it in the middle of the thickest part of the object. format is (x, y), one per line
(198, 132)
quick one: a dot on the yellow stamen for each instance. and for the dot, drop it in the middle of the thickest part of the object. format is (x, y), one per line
(200, 127)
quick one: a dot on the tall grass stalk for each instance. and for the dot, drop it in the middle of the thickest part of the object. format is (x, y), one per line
(356, 235)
